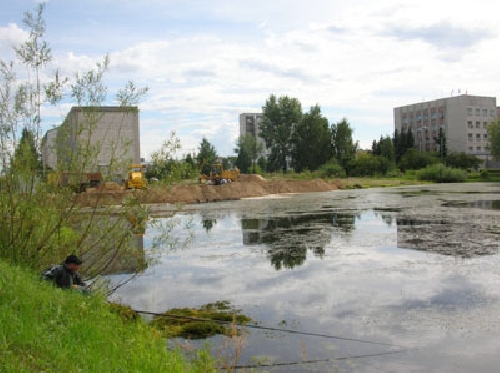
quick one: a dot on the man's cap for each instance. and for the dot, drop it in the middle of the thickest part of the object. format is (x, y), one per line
(72, 259)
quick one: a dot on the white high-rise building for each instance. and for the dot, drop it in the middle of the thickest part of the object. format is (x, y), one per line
(464, 120)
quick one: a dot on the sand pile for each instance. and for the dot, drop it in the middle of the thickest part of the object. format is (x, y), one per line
(248, 186)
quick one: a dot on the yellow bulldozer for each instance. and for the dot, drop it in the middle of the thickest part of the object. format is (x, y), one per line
(218, 175)
(136, 177)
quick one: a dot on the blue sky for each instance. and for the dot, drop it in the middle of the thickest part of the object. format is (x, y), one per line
(205, 62)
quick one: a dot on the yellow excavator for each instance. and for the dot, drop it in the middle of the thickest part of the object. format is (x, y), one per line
(218, 175)
(136, 177)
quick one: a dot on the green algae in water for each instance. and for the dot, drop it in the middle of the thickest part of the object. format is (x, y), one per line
(198, 323)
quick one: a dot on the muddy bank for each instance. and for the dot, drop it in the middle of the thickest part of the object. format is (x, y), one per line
(248, 186)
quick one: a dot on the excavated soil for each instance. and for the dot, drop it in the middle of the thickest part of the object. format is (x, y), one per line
(248, 186)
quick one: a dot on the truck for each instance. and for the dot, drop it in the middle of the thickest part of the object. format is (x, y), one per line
(218, 175)
(136, 178)
(78, 181)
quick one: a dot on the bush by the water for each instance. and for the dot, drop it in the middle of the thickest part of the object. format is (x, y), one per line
(442, 174)
(45, 329)
(331, 170)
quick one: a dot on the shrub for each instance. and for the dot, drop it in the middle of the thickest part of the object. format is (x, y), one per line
(331, 170)
(442, 174)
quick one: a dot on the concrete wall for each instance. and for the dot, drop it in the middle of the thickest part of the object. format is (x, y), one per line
(49, 155)
(91, 139)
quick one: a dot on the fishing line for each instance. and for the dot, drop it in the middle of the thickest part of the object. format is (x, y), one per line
(291, 331)
(315, 361)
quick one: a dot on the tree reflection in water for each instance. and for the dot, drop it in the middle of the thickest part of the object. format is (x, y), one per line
(289, 238)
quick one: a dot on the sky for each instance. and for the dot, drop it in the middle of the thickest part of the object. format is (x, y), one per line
(206, 62)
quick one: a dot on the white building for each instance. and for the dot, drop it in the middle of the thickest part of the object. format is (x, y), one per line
(104, 139)
(464, 120)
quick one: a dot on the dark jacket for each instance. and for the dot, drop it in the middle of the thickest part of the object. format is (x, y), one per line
(63, 277)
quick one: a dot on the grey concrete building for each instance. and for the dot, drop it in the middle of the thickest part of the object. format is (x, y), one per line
(250, 124)
(104, 139)
(49, 157)
(464, 120)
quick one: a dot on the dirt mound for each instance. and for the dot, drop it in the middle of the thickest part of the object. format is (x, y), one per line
(248, 178)
(248, 186)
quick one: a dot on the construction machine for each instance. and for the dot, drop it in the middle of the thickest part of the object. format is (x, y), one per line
(136, 178)
(218, 175)
(78, 181)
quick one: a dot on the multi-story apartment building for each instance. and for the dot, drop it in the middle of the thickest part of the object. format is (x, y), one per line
(464, 120)
(250, 124)
(104, 139)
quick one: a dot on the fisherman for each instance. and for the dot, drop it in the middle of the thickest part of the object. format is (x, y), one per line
(66, 276)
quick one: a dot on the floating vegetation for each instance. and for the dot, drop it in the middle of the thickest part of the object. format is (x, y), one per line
(125, 312)
(481, 204)
(387, 209)
(208, 320)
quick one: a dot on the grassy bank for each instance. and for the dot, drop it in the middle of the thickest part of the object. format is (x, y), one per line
(51, 330)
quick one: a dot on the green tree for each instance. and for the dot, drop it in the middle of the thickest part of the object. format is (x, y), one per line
(206, 156)
(375, 147)
(366, 164)
(494, 140)
(414, 160)
(387, 150)
(35, 53)
(247, 150)
(162, 160)
(462, 160)
(441, 140)
(26, 157)
(262, 164)
(312, 141)
(189, 160)
(410, 140)
(280, 117)
(344, 149)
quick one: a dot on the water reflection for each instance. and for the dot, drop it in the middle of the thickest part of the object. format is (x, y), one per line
(289, 238)
(339, 266)
(465, 236)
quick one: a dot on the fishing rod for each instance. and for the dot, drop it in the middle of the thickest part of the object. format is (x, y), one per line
(252, 326)
(315, 361)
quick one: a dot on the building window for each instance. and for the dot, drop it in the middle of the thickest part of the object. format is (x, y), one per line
(250, 126)
(485, 112)
(478, 137)
(492, 113)
(478, 124)
(485, 136)
(469, 124)
(478, 112)
(469, 136)
(469, 111)
(478, 149)
(485, 125)
(471, 149)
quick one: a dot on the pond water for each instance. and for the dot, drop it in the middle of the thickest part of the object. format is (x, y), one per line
(375, 280)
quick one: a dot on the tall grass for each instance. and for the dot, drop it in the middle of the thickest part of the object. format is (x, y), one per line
(51, 330)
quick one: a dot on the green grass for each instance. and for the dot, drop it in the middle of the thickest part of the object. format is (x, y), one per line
(44, 329)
